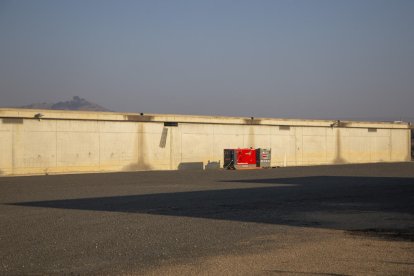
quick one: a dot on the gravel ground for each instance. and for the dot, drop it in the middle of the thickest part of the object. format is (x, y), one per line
(321, 220)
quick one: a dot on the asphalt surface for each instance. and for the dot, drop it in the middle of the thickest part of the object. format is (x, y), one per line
(322, 220)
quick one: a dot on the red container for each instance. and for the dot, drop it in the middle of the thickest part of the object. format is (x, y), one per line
(246, 157)
(239, 158)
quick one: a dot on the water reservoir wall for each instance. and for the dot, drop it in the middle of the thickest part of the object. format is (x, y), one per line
(44, 141)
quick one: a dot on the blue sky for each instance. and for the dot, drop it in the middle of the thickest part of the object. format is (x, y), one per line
(309, 59)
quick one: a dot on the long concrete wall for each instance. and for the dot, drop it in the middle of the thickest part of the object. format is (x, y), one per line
(69, 143)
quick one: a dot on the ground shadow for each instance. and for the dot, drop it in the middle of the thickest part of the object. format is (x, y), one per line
(334, 202)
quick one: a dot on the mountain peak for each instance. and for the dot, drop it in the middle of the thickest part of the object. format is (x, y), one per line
(76, 103)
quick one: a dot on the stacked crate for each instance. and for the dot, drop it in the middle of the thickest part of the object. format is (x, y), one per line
(247, 158)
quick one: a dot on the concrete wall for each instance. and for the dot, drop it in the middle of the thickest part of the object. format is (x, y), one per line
(56, 145)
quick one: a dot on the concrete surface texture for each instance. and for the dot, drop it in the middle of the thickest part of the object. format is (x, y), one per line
(323, 220)
(45, 141)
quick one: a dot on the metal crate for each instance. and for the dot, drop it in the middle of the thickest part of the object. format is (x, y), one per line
(263, 158)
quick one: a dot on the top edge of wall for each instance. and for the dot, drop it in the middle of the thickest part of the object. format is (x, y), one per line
(44, 114)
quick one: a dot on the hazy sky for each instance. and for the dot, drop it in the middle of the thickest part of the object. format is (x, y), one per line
(310, 59)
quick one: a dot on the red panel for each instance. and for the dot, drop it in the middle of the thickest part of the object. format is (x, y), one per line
(246, 156)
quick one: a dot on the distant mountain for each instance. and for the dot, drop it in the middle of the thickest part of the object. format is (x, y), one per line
(76, 103)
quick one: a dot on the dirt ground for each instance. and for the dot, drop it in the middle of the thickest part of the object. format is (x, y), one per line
(321, 220)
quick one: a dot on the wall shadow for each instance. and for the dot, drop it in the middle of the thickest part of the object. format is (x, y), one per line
(334, 202)
(214, 165)
(191, 166)
(338, 149)
(141, 150)
(163, 139)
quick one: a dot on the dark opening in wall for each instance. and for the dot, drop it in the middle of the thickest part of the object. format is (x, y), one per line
(284, 127)
(171, 124)
(12, 121)
(372, 130)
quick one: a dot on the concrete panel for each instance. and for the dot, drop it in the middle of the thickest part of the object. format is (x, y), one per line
(257, 141)
(256, 136)
(34, 150)
(282, 130)
(117, 127)
(382, 132)
(174, 134)
(6, 155)
(331, 131)
(314, 131)
(380, 149)
(283, 150)
(299, 145)
(354, 149)
(228, 129)
(77, 149)
(6, 124)
(330, 148)
(197, 147)
(158, 157)
(314, 149)
(118, 149)
(155, 128)
(37, 126)
(77, 126)
(400, 141)
(353, 132)
(196, 129)
(256, 130)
